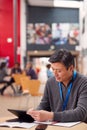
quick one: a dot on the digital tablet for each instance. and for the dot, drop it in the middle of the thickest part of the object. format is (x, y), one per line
(22, 116)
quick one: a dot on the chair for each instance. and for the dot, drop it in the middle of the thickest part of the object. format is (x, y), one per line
(32, 85)
(24, 83)
(17, 79)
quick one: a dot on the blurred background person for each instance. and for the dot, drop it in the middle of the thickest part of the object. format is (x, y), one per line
(49, 71)
(4, 78)
(30, 71)
(16, 69)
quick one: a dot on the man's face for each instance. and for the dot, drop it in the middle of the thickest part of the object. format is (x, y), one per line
(16, 66)
(61, 73)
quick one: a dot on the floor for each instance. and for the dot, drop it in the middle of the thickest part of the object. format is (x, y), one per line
(22, 102)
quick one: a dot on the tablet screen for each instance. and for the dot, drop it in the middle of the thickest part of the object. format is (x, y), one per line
(21, 114)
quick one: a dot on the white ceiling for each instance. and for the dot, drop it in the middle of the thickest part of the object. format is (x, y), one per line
(41, 2)
(55, 3)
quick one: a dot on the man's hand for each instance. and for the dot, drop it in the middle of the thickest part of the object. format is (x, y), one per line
(40, 115)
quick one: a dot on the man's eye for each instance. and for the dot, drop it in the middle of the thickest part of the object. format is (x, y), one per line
(55, 70)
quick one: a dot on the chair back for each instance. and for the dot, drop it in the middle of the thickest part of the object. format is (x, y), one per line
(17, 78)
(24, 83)
(32, 85)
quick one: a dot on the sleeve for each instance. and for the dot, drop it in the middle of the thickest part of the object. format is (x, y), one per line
(45, 104)
(77, 114)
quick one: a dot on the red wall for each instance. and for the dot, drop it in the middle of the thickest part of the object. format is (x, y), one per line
(6, 30)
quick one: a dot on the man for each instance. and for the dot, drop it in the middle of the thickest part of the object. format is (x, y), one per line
(48, 71)
(5, 78)
(65, 96)
(16, 69)
(30, 71)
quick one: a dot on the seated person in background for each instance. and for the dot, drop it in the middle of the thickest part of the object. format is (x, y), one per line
(49, 72)
(3, 74)
(30, 71)
(16, 69)
(65, 95)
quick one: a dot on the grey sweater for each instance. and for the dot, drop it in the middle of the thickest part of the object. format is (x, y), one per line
(76, 109)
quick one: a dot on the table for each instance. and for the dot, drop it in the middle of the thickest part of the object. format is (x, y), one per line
(81, 126)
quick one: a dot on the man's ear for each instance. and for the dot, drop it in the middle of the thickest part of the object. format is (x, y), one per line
(71, 68)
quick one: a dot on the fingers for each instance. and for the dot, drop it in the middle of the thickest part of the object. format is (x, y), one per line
(40, 115)
(29, 111)
(33, 113)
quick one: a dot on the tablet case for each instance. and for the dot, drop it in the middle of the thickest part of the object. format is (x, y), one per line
(22, 116)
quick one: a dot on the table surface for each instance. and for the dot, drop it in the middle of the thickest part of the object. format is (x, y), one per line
(80, 126)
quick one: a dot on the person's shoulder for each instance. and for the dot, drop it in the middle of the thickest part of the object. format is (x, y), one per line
(12, 68)
(51, 79)
(19, 68)
(33, 70)
(51, 83)
(81, 77)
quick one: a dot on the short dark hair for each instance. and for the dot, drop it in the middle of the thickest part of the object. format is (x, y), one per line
(48, 66)
(17, 63)
(63, 56)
